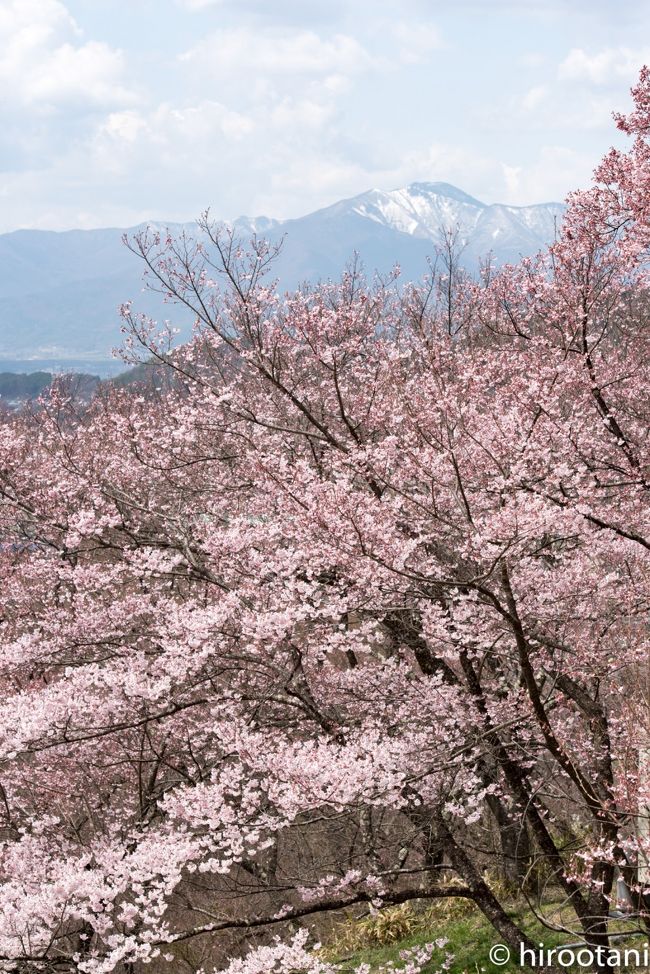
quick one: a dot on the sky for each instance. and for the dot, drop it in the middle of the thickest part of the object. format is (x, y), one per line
(114, 112)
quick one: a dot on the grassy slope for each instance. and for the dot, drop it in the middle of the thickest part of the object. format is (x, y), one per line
(470, 938)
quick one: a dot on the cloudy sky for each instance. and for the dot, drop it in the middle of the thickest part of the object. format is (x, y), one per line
(118, 111)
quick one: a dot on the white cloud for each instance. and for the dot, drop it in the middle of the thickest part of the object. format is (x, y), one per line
(242, 52)
(89, 73)
(532, 59)
(181, 136)
(444, 162)
(44, 62)
(301, 112)
(27, 202)
(534, 97)
(200, 4)
(609, 65)
(29, 21)
(556, 110)
(512, 179)
(288, 83)
(547, 178)
(124, 127)
(416, 41)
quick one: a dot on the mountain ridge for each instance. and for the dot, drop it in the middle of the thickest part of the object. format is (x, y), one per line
(60, 290)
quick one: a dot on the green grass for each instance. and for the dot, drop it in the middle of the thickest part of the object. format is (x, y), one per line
(469, 936)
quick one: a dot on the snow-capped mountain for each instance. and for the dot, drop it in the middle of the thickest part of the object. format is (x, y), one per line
(59, 292)
(421, 210)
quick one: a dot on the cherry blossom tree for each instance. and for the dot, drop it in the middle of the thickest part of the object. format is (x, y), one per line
(364, 582)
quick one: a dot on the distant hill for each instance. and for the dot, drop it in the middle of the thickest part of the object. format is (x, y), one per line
(59, 292)
(23, 386)
(17, 388)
